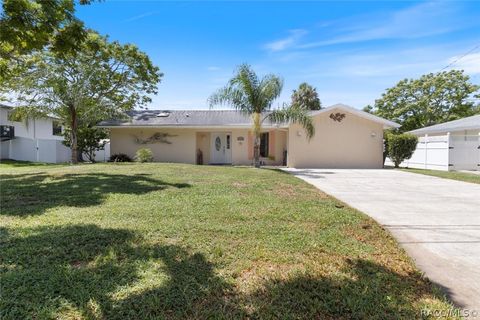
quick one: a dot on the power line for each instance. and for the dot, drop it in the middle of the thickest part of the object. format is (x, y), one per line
(460, 57)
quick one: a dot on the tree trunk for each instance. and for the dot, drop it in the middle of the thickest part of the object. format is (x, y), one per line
(90, 155)
(256, 144)
(73, 135)
(256, 152)
(385, 155)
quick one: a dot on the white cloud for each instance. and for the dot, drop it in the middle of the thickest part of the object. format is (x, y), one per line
(358, 76)
(140, 16)
(285, 43)
(470, 63)
(423, 20)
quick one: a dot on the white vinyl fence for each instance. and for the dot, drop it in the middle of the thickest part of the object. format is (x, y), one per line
(35, 150)
(43, 150)
(102, 155)
(445, 152)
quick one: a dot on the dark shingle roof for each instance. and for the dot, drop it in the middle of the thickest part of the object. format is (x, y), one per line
(181, 118)
(214, 118)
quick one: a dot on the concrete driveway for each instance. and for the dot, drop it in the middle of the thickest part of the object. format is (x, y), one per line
(436, 220)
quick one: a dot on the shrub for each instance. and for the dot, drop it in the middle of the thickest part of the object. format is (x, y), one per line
(120, 157)
(401, 147)
(144, 155)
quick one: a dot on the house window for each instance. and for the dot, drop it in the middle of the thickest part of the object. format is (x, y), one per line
(264, 137)
(56, 128)
(228, 142)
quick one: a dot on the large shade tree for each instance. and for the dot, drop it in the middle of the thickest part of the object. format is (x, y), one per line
(306, 97)
(431, 99)
(253, 96)
(99, 80)
(28, 26)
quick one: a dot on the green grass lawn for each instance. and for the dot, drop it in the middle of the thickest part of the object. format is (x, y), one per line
(454, 175)
(165, 241)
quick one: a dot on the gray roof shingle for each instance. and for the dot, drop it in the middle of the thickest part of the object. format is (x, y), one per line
(469, 123)
(181, 118)
(214, 118)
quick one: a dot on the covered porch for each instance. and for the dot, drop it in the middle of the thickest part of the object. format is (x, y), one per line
(235, 147)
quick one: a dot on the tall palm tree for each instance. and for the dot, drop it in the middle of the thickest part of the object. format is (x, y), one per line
(306, 97)
(253, 96)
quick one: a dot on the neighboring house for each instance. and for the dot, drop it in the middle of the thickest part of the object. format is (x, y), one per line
(37, 140)
(344, 138)
(453, 145)
(33, 139)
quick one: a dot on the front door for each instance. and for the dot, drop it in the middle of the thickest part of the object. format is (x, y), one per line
(221, 146)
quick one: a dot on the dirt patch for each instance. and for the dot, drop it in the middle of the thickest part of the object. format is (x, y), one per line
(249, 279)
(239, 185)
(290, 191)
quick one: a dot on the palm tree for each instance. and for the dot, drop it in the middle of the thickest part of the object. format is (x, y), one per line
(253, 96)
(306, 97)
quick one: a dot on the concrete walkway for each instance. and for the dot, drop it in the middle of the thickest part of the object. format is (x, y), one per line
(436, 220)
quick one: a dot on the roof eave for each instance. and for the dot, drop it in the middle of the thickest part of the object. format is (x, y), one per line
(387, 124)
(468, 123)
(422, 131)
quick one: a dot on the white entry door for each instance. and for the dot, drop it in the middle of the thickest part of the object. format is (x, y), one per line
(221, 148)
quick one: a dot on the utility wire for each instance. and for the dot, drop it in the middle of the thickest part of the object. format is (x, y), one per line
(460, 57)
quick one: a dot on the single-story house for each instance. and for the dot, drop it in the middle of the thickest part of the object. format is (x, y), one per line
(345, 137)
(453, 145)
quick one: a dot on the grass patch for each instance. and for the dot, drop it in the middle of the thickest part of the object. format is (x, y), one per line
(6, 163)
(454, 175)
(171, 241)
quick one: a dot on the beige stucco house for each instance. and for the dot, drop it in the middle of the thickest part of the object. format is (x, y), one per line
(344, 138)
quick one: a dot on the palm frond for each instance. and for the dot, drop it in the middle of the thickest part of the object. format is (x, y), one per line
(270, 88)
(232, 96)
(294, 115)
(246, 93)
(247, 80)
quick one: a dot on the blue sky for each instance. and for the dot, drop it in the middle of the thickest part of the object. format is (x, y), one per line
(350, 51)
